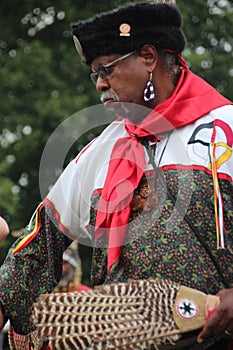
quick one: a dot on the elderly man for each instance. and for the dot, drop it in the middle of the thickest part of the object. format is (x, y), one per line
(154, 190)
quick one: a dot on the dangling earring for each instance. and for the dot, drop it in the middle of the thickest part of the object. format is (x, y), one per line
(149, 92)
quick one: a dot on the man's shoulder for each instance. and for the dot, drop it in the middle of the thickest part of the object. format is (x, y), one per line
(104, 142)
(223, 112)
(115, 128)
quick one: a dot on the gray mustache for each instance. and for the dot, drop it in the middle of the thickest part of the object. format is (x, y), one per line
(107, 95)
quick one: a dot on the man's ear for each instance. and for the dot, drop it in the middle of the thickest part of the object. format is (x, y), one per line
(150, 54)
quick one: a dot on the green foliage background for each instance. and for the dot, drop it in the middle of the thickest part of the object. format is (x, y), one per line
(43, 82)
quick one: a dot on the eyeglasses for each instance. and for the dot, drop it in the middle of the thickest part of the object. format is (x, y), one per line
(103, 70)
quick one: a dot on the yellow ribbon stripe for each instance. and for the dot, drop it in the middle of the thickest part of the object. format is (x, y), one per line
(217, 201)
(27, 239)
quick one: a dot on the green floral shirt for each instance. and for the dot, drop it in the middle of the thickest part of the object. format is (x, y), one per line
(33, 271)
(160, 244)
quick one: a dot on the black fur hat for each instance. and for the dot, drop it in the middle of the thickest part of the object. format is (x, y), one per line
(128, 28)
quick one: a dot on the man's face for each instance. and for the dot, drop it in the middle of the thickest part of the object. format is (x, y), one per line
(125, 83)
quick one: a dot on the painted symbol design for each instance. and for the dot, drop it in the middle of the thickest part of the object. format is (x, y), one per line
(186, 309)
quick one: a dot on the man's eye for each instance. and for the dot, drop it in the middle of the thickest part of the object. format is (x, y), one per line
(102, 72)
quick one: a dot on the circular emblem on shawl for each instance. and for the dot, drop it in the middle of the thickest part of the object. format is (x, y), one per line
(124, 29)
(79, 48)
(186, 308)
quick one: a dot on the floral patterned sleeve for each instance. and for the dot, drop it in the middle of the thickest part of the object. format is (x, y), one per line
(34, 270)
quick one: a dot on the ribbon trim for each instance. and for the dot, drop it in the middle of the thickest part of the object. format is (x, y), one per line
(27, 239)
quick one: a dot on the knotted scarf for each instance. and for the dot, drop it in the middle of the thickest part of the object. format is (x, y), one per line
(191, 99)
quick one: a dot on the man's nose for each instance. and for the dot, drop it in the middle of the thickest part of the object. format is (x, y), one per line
(102, 84)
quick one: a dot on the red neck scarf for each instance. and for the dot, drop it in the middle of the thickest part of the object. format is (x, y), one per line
(191, 99)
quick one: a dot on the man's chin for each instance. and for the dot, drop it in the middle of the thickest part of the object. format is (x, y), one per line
(134, 112)
(118, 108)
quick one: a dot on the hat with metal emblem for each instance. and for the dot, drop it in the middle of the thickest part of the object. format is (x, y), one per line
(128, 28)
